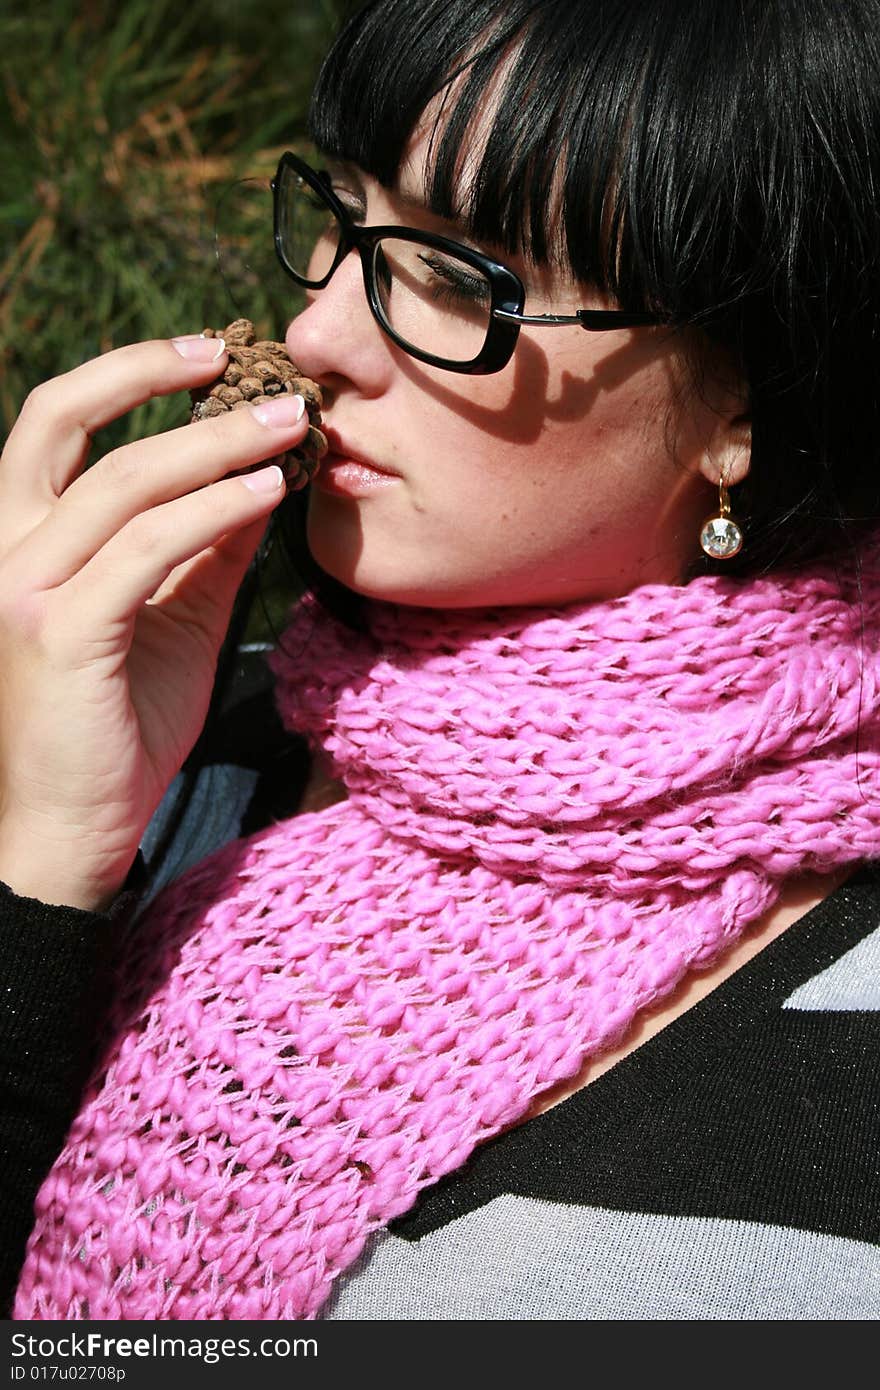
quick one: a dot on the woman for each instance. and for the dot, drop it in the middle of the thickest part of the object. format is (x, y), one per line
(601, 737)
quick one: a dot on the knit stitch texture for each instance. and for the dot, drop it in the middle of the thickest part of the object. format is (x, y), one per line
(553, 816)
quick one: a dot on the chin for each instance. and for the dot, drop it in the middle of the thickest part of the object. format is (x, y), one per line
(390, 585)
(380, 571)
(388, 588)
(344, 560)
(373, 571)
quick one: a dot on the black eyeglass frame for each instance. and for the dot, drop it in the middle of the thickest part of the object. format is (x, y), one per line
(507, 290)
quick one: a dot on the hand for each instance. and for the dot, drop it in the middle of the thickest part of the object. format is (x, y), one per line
(116, 586)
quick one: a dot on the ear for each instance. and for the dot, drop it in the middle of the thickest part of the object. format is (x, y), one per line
(728, 453)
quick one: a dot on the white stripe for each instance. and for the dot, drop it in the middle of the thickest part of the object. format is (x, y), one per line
(522, 1258)
(852, 982)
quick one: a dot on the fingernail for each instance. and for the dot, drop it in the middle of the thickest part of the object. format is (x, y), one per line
(281, 413)
(198, 349)
(266, 480)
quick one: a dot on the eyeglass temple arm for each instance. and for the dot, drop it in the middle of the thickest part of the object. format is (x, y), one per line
(590, 319)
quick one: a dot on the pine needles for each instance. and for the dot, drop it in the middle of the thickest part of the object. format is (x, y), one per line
(124, 131)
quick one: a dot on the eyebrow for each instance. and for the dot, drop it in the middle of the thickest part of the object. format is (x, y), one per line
(413, 200)
(409, 200)
(457, 229)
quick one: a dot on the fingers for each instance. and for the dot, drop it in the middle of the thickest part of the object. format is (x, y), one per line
(147, 474)
(134, 565)
(203, 588)
(49, 442)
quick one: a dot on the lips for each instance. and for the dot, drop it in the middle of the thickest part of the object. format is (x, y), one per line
(341, 449)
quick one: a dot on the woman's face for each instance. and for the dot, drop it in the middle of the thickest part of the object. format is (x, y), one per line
(574, 473)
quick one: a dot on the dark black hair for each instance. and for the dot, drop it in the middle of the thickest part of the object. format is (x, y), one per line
(718, 161)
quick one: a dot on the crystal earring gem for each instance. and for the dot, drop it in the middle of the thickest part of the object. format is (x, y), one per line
(720, 537)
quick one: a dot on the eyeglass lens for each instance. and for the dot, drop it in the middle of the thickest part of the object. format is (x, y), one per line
(309, 231)
(433, 300)
(251, 282)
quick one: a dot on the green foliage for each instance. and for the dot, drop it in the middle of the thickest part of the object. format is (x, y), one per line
(136, 140)
(124, 129)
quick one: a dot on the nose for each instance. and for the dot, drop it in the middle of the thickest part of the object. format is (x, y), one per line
(336, 340)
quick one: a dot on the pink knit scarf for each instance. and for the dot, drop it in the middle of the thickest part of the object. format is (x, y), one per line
(553, 815)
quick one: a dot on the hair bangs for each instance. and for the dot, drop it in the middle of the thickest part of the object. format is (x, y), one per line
(512, 82)
(715, 164)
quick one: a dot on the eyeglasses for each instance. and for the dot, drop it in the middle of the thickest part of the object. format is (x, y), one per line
(440, 301)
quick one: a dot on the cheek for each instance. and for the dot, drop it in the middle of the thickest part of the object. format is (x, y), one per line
(529, 486)
(587, 438)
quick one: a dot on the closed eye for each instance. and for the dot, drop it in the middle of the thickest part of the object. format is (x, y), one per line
(457, 281)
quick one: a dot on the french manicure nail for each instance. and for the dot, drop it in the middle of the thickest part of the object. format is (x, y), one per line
(266, 480)
(280, 413)
(199, 349)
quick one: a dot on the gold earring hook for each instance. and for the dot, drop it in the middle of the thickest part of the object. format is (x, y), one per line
(720, 536)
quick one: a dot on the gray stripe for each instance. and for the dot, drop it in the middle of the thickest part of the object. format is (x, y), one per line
(520, 1258)
(852, 982)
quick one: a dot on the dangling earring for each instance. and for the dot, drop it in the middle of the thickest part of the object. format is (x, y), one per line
(720, 537)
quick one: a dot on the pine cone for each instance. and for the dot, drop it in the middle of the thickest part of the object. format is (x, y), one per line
(256, 372)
